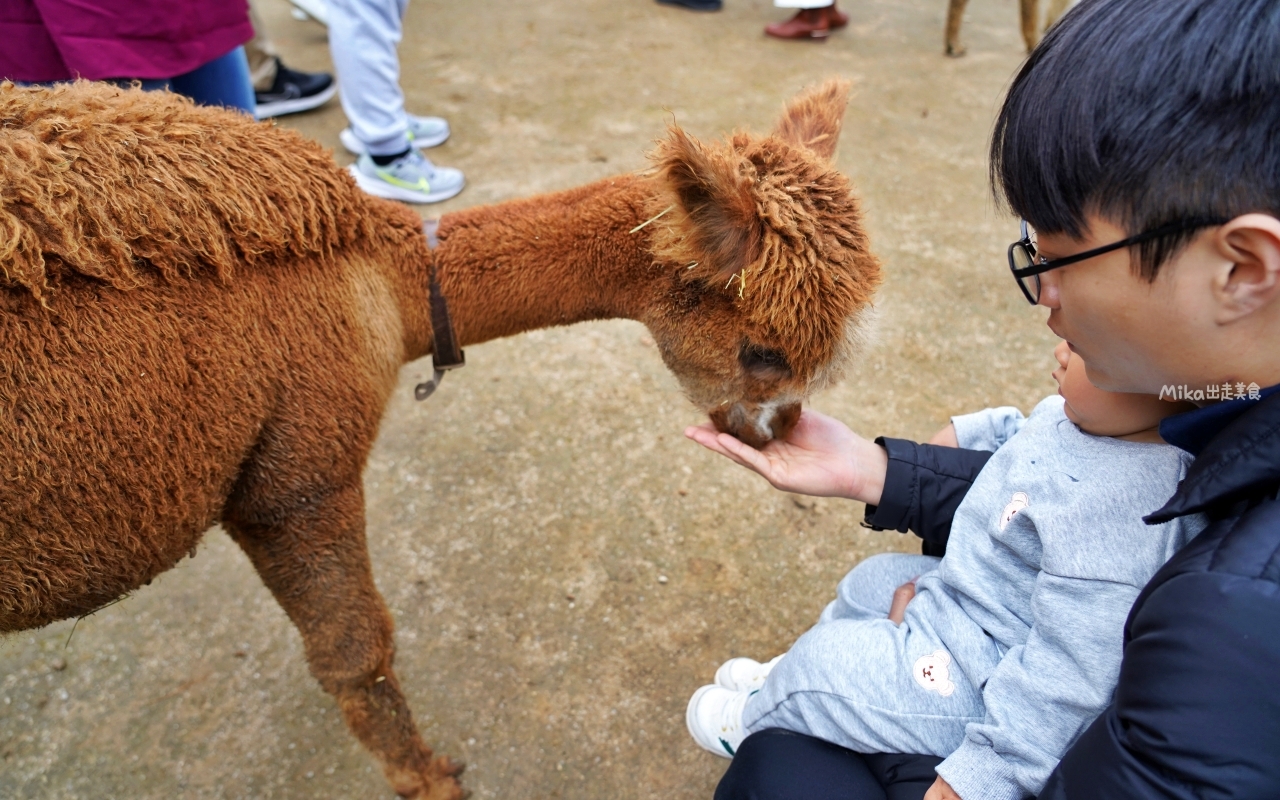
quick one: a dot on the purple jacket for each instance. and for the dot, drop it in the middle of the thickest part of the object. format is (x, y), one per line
(50, 40)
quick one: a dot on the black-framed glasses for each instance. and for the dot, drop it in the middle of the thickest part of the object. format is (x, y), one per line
(1027, 269)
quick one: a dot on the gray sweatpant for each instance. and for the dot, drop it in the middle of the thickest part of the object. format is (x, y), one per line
(364, 37)
(852, 679)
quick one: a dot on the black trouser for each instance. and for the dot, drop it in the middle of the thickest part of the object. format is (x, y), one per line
(775, 764)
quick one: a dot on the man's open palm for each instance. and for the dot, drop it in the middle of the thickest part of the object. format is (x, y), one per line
(820, 457)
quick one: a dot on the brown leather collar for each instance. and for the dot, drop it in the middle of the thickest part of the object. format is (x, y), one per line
(445, 352)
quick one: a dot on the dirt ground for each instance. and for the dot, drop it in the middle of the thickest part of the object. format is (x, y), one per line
(564, 568)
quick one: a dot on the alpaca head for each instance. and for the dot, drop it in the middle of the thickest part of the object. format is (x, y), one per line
(770, 280)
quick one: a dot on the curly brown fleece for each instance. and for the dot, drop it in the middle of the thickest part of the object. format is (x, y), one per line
(202, 318)
(779, 228)
(190, 192)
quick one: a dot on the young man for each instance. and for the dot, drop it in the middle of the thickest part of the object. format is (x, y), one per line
(1142, 142)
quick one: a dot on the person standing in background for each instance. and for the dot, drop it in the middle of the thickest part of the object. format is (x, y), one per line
(814, 20)
(363, 40)
(192, 48)
(277, 89)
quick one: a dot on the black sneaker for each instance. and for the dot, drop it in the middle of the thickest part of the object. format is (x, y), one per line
(294, 91)
(695, 5)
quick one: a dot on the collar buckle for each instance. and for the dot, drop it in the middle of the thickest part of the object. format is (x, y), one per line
(446, 354)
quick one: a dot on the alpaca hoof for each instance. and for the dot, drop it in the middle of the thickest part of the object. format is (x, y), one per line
(439, 783)
(446, 767)
(956, 50)
(441, 788)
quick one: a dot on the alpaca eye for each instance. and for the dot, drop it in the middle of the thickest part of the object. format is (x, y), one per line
(764, 361)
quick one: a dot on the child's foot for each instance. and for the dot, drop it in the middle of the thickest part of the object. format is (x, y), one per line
(744, 674)
(714, 719)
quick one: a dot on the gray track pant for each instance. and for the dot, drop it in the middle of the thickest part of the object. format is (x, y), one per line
(364, 36)
(860, 681)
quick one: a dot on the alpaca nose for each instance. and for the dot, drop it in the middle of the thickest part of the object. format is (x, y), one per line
(756, 423)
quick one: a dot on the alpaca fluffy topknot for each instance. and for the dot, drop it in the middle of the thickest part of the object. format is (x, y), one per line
(771, 223)
(190, 190)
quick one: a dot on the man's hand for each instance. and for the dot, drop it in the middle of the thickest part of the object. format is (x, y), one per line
(941, 790)
(821, 457)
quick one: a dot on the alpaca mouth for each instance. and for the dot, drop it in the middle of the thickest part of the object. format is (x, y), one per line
(756, 424)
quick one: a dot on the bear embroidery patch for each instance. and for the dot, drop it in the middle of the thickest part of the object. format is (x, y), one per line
(1019, 502)
(933, 672)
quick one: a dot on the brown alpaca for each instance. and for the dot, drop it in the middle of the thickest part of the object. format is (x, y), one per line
(202, 318)
(1029, 11)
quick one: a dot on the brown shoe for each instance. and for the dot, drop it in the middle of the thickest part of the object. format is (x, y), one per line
(808, 23)
(836, 18)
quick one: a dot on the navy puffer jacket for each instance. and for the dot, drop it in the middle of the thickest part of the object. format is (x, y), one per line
(1197, 711)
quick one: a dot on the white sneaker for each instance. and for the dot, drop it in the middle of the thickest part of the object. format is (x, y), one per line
(411, 178)
(315, 9)
(714, 719)
(744, 674)
(423, 132)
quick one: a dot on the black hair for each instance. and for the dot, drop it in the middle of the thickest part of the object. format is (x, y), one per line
(1145, 113)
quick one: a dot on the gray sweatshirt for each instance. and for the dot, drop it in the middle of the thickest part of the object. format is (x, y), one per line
(1046, 555)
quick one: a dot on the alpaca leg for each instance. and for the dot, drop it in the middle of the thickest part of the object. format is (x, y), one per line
(1056, 9)
(1030, 12)
(316, 564)
(955, 14)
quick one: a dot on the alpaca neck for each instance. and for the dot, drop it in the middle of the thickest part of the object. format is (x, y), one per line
(550, 260)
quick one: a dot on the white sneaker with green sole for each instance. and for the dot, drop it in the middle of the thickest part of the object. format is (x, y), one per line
(423, 132)
(412, 178)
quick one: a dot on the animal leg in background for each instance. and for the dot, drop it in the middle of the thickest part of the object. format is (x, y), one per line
(1028, 11)
(955, 15)
(1055, 11)
(316, 564)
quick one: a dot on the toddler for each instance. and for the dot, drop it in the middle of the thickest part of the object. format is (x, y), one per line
(1011, 645)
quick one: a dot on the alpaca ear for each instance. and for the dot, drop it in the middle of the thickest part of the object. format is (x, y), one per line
(812, 119)
(721, 228)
